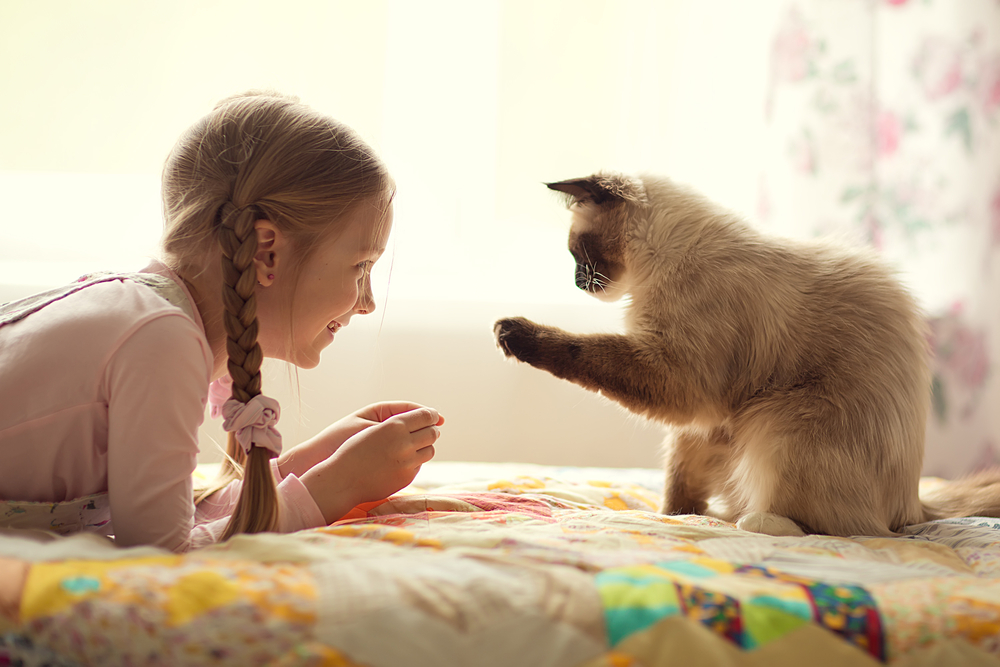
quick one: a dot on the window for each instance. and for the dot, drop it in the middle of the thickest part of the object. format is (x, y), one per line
(474, 105)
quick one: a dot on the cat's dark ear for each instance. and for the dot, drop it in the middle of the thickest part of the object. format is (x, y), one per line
(583, 189)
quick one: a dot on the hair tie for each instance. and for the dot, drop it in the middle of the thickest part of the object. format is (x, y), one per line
(253, 422)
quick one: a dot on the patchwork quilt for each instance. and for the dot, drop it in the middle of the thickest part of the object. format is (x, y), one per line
(511, 564)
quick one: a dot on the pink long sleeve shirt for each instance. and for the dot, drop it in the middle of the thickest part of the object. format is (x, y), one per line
(104, 391)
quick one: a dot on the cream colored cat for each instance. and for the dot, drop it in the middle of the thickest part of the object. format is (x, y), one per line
(794, 376)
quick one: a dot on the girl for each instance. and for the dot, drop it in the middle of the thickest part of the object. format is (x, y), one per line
(274, 217)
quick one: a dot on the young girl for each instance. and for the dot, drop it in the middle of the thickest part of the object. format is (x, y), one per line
(274, 217)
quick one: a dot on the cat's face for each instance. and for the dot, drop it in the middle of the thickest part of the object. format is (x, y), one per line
(598, 238)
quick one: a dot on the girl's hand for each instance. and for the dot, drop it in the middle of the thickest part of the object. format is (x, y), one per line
(300, 459)
(375, 462)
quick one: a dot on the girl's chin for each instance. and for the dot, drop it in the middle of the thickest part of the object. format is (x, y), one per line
(308, 364)
(306, 360)
(309, 358)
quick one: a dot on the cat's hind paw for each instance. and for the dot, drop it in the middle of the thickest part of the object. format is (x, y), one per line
(769, 524)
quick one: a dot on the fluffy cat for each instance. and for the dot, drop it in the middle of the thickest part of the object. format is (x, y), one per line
(794, 376)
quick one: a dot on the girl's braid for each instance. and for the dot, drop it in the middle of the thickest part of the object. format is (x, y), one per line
(257, 507)
(239, 245)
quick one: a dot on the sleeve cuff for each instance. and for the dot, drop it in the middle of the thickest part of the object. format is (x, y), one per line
(298, 510)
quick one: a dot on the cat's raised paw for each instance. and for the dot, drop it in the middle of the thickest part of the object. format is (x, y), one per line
(769, 524)
(516, 337)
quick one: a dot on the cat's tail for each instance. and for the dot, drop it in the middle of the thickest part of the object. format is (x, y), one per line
(975, 495)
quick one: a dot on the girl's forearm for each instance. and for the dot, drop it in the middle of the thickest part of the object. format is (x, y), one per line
(297, 461)
(331, 498)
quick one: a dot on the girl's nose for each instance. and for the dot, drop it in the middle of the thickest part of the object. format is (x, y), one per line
(366, 299)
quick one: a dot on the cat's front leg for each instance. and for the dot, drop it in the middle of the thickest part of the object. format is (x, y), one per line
(613, 364)
(697, 463)
(574, 357)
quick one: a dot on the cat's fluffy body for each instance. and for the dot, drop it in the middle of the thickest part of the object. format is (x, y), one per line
(793, 376)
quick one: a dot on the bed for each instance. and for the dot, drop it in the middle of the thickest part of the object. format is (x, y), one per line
(510, 564)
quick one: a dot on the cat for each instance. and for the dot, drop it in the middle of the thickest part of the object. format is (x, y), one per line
(793, 377)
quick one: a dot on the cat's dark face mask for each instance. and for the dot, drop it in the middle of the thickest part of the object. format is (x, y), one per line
(596, 239)
(595, 273)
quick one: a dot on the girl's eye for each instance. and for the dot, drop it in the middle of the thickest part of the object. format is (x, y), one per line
(365, 265)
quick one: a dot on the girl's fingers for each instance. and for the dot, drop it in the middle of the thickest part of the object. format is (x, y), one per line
(387, 410)
(426, 436)
(380, 412)
(414, 420)
(393, 408)
(425, 454)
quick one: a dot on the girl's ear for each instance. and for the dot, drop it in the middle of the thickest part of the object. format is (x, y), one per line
(270, 255)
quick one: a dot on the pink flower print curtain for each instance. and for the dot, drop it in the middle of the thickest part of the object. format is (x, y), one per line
(883, 121)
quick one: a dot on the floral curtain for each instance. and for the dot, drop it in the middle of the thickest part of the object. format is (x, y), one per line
(883, 122)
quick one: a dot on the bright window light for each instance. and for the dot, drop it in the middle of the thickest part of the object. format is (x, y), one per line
(473, 105)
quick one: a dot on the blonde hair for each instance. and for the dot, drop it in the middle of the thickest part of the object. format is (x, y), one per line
(259, 155)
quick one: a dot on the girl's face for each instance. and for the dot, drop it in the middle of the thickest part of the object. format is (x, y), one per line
(333, 286)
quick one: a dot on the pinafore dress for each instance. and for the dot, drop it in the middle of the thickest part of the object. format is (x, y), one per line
(90, 513)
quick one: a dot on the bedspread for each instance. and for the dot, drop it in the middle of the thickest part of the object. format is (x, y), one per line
(508, 564)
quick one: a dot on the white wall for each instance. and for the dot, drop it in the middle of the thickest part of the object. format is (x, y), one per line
(442, 354)
(473, 106)
(495, 410)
